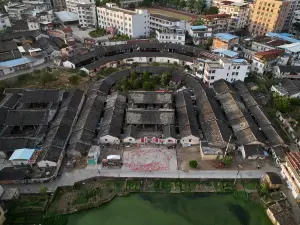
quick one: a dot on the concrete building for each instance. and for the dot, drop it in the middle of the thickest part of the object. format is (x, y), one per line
(290, 173)
(224, 40)
(287, 87)
(280, 213)
(265, 61)
(72, 4)
(161, 23)
(272, 180)
(287, 71)
(252, 152)
(218, 22)
(4, 21)
(93, 155)
(59, 5)
(295, 19)
(126, 3)
(132, 23)
(87, 15)
(268, 16)
(200, 34)
(22, 157)
(227, 69)
(173, 36)
(239, 13)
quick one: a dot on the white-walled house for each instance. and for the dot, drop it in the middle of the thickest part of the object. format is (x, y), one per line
(132, 23)
(130, 135)
(22, 157)
(227, 69)
(190, 140)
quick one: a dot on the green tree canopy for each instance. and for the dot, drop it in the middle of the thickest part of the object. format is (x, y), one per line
(193, 163)
(211, 10)
(43, 189)
(282, 103)
(182, 4)
(147, 86)
(47, 77)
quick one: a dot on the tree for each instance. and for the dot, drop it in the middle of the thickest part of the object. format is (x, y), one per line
(182, 4)
(98, 2)
(145, 76)
(147, 2)
(199, 21)
(137, 84)
(211, 10)
(227, 160)
(46, 77)
(131, 6)
(74, 79)
(155, 79)
(165, 79)
(82, 73)
(147, 86)
(199, 5)
(133, 76)
(191, 4)
(43, 189)
(193, 164)
(282, 103)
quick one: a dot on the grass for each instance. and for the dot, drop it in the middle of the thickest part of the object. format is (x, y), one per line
(169, 13)
(97, 33)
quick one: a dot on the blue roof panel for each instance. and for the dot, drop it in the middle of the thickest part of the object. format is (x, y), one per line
(198, 27)
(22, 154)
(15, 62)
(282, 37)
(226, 52)
(226, 36)
(238, 60)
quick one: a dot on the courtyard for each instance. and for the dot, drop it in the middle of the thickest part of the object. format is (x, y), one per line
(149, 158)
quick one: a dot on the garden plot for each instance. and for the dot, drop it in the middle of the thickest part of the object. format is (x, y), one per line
(149, 159)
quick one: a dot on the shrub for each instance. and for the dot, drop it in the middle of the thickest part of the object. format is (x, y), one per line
(82, 73)
(74, 79)
(193, 164)
(43, 189)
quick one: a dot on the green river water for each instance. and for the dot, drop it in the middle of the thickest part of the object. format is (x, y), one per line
(173, 209)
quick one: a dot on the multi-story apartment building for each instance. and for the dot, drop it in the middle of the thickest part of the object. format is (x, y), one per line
(239, 13)
(174, 36)
(227, 69)
(87, 15)
(161, 22)
(218, 22)
(4, 22)
(59, 5)
(268, 16)
(295, 19)
(290, 171)
(132, 23)
(72, 4)
(126, 3)
(200, 33)
(18, 11)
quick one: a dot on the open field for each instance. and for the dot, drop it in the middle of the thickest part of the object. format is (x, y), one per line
(163, 12)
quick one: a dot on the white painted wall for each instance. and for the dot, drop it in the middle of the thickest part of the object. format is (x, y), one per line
(46, 163)
(68, 64)
(130, 140)
(192, 140)
(107, 139)
(19, 162)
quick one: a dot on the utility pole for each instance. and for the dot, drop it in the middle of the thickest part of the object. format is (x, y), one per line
(239, 166)
(227, 145)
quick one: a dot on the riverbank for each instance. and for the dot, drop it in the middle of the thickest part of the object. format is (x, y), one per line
(93, 193)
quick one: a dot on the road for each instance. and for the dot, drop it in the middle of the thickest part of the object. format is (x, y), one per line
(21, 72)
(69, 178)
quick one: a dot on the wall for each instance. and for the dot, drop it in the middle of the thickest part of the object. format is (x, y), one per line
(190, 140)
(109, 140)
(46, 163)
(19, 162)
(130, 140)
(68, 64)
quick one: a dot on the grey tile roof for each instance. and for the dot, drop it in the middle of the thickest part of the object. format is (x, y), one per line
(145, 116)
(10, 101)
(27, 117)
(42, 96)
(149, 97)
(186, 116)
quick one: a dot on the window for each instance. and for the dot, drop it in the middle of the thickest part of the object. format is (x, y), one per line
(232, 73)
(130, 139)
(227, 74)
(237, 73)
(190, 140)
(212, 78)
(214, 71)
(105, 139)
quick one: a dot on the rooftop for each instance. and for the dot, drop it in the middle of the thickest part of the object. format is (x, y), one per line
(66, 16)
(269, 55)
(22, 154)
(14, 62)
(282, 36)
(226, 52)
(216, 16)
(225, 36)
(145, 116)
(172, 19)
(149, 97)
